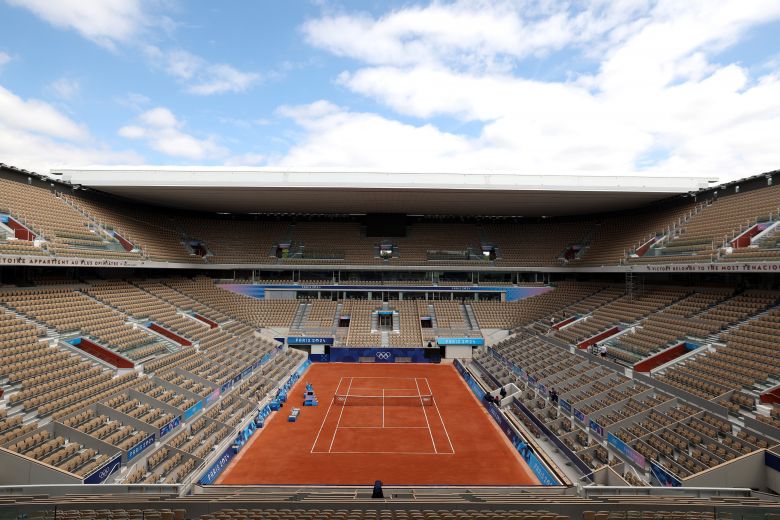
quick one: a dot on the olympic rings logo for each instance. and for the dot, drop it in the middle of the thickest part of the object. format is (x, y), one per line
(383, 355)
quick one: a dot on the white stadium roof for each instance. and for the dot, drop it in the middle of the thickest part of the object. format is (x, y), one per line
(320, 190)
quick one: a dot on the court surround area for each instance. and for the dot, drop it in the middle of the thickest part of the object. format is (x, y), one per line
(402, 424)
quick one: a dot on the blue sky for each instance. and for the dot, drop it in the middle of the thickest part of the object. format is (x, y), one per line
(657, 87)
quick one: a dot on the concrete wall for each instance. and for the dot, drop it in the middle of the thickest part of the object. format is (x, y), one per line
(458, 352)
(746, 471)
(19, 470)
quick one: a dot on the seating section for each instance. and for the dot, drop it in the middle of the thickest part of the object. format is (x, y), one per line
(101, 427)
(272, 313)
(507, 315)
(235, 241)
(48, 388)
(537, 243)
(694, 316)
(167, 466)
(622, 311)
(230, 514)
(58, 451)
(69, 311)
(20, 247)
(329, 242)
(683, 439)
(66, 231)
(747, 360)
(433, 505)
(684, 229)
(613, 239)
(716, 225)
(146, 228)
(764, 248)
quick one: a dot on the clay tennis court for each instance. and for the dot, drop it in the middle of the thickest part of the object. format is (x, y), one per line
(413, 424)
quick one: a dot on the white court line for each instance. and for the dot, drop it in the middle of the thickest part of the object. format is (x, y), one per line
(340, 414)
(441, 419)
(382, 427)
(383, 408)
(385, 377)
(333, 399)
(426, 416)
(358, 389)
(386, 452)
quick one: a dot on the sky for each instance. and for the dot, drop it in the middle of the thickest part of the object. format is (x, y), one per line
(615, 87)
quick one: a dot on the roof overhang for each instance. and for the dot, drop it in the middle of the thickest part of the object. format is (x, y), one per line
(339, 191)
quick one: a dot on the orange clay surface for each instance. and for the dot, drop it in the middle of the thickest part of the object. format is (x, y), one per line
(451, 441)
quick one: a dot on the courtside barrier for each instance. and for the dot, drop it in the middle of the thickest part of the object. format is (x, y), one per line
(545, 476)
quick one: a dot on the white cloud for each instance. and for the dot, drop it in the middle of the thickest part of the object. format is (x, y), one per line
(65, 88)
(221, 78)
(200, 76)
(112, 23)
(163, 132)
(38, 117)
(4, 59)
(36, 136)
(336, 137)
(657, 99)
(105, 22)
(246, 159)
(159, 117)
(475, 34)
(133, 100)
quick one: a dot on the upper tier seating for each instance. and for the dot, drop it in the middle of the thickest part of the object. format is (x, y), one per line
(717, 224)
(535, 243)
(616, 236)
(150, 230)
(67, 231)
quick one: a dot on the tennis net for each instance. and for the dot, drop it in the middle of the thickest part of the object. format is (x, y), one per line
(382, 400)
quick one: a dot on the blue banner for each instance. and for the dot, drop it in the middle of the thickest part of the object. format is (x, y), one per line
(264, 359)
(772, 460)
(216, 468)
(470, 382)
(192, 410)
(584, 468)
(581, 417)
(461, 341)
(296, 376)
(170, 426)
(545, 476)
(596, 427)
(636, 457)
(382, 355)
(263, 413)
(101, 474)
(308, 340)
(523, 374)
(213, 396)
(664, 477)
(138, 448)
(565, 406)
